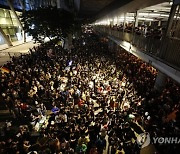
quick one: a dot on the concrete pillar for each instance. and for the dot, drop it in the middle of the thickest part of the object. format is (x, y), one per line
(170, 20)
(159, 23)
(5, 37)
(160, 81)
(24, 35)
(168, 29)
(150, 23)
(136, 19)
(124, 24)
(118, 20)
(115, 20)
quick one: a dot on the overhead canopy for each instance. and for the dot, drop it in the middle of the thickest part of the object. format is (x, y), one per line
(146, 12)
(98, 9)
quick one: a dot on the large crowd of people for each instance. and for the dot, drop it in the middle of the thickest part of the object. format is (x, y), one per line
(84, 100)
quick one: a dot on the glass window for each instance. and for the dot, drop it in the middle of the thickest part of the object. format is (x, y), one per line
(1, 40)
(1, 13)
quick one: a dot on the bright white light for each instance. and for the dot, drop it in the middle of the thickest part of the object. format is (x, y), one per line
(129, 17)
(141, 18)
(154, 14)
(114, 20)
(164, 15)
(147, 19)
(176, 17)
(103, 22)
(149, 14)
(143, 14)
(126, 44)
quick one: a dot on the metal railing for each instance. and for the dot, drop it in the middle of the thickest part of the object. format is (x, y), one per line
(167, 49)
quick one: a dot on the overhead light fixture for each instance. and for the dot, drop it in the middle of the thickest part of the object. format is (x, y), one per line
(129, 17)
(143, 14)
(154, 14)
(164, 15)
(146, 19)
(141, 18)
(130, 20)
(149, 14)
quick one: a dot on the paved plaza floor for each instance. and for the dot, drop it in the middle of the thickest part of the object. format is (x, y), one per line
(16, 50)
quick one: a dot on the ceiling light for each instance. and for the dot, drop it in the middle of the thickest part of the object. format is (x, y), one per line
(141, 18)
(143, 14)
(164, 15)
(130, 17)
(146, 19)
(130, 20)
(154, 14)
